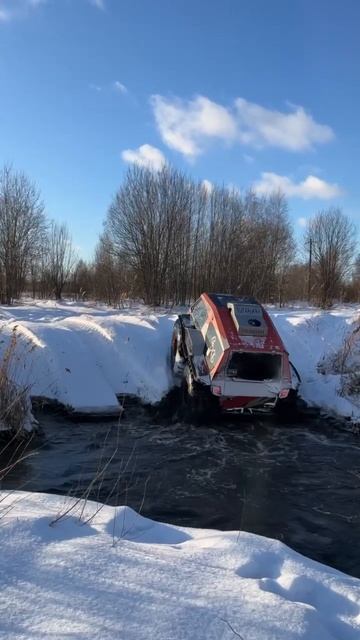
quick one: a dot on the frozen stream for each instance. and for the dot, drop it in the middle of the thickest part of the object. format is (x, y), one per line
(298, 483)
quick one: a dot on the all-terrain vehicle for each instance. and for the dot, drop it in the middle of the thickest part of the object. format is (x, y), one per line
(227, 355)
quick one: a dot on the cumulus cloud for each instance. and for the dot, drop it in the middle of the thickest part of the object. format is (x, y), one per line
(295, 131)
(145, 156)
(185, 126)
(310, 188)
(120, 87)
(188, 126)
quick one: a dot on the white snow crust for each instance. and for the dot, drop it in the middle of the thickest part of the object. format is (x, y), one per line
(85, 355)
(123, 576)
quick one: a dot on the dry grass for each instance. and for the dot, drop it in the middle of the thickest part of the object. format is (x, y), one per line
(351, 384)
(345, 363)
(341, 360)
(15, 408)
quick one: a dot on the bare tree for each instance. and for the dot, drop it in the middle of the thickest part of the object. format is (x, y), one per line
(352, 289)
(356, 272)
(280, 246)
(22, 230)
(295, 282)
(113, 279)
(333, 241)
(82, 281)
(148, 213)
(61, 258)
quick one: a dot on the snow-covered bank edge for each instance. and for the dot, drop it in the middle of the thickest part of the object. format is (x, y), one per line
(113, 573)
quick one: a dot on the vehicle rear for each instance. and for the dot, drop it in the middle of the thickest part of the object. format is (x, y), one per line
(247, 362)
(250, 380)
(227, 349)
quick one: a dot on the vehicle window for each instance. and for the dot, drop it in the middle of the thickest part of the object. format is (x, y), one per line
(214, 347)
(200, 314)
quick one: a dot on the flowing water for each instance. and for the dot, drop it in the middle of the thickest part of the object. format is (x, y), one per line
(299, 483)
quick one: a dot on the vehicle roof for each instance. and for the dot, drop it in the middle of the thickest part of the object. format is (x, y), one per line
(222, 299)
(218, 302)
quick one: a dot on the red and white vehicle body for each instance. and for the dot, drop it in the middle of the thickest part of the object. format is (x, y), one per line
(230, 345)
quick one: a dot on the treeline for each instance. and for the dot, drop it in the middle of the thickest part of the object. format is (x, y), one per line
(167, 238)
(35, 252)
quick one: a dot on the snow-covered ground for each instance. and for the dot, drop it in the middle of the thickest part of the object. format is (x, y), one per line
(115, 574)
(312, 336)
(83, 355)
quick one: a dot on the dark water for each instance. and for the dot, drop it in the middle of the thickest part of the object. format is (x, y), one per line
(299, 483)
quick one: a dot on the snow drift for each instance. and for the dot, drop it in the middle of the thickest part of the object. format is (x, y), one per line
(84, 357)
(313, 336)
(115, 574)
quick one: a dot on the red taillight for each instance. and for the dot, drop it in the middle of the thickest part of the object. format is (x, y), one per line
(216, 390)
(283, 394)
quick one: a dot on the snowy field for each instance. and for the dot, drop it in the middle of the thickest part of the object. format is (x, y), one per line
(114, 574)
(84, 355)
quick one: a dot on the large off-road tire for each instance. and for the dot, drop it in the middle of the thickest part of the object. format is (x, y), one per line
(177, 358)
(290, 408)
(198, 404)
(287, 409)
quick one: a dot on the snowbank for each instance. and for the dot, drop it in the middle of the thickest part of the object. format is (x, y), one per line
(123, 576)
(84, 356)
(312, 336)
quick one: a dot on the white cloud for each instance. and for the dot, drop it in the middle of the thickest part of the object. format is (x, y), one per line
(295, 131)
(10, 9)
(207, 186)
(120, 87)
(302, 222)
(187, 126)
(145, 156)
(311, 187)
(115, 86)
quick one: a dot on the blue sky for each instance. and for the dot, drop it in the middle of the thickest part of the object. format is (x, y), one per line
(254, 92)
